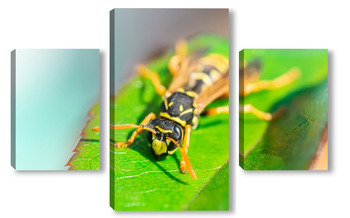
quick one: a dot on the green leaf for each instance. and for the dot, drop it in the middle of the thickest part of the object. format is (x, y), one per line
(87, 152)
(211, 193)
(138, 180)
(291, 141)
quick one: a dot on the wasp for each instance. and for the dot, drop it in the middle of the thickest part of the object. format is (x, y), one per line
(197, 81)
(249, 79)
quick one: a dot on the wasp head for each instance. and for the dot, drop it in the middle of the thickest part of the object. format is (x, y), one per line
(159, 140)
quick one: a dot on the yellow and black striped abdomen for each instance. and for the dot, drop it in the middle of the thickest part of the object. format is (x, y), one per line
(179, 106)
(209, 70)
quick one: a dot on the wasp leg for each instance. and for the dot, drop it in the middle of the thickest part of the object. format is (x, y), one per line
(281, 81)
(175, 61)
(145, 121)
(185, 145)
(248, 108)
(217, 110)
(153, 76)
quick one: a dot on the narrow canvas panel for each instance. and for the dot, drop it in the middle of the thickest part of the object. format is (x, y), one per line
(283, 122)
(169, 76)
(54, 106)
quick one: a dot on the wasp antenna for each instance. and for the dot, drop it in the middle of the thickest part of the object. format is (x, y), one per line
(124, 126)
(130, 126)
(149, 129)
(187, 161)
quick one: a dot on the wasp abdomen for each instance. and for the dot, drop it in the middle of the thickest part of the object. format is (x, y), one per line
(210, 70)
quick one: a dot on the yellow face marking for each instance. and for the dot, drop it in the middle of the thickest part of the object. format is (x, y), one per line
(191, 94)
(173, 151)
(171, 103)
(175, 119)
(181, 108)
(187, 111)
(159, 147)
(181, 90)
(163, 130)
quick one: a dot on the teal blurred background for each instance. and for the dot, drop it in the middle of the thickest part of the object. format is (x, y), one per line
(54, 91)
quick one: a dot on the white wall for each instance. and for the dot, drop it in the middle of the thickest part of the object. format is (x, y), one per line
(260, 24)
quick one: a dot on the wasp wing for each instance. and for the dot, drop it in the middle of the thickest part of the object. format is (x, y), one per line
(216, 90)
(188, 66)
